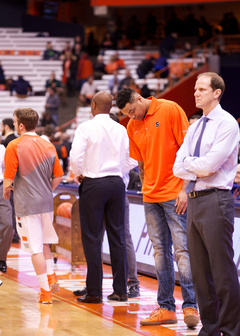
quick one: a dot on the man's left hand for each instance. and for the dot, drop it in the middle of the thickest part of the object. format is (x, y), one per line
(181, 202)
(7, 192)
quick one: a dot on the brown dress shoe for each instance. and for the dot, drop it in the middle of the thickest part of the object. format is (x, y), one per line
(116, 297)
(191, 317)
(89, 299)
(160, 316)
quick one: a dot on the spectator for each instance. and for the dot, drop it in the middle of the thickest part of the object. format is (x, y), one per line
(87, 92)
(52, 104)
(7, 128)
(77, 40)
(20, 87)
(115, 63)
(99, 68)
(47, 120)
(229, 24)
(61, 150)
(67, 48)
(160, 63)
(53, 82)
(107, 44)
(48, 133)
(124, 43)
(125, 82)
(50, 53)
(69, 73)
(77, 51)
(114, 83)
(134, 86)
(168, 44)
(145, 67)
(2, 76)
(84, 69)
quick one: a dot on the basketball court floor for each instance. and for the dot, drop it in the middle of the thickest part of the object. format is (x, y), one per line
(21, 315)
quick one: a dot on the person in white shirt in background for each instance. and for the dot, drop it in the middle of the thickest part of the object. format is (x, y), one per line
(87, 92)
(210, 217)
(99, 156)
(6, 227)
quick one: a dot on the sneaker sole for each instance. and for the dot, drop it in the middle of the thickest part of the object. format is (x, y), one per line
(55, 287)
(191, 321)
(159, 322)
(130, 296)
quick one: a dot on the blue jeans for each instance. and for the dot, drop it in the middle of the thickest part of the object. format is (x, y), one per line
(167, 228)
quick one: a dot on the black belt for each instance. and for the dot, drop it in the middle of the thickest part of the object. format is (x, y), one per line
(194, 194)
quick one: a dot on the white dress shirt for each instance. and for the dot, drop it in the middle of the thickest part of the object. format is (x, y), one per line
(100, 148)
(2, 153)
(218, 152)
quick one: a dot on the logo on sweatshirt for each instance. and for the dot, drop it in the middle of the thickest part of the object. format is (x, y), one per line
(157, 123)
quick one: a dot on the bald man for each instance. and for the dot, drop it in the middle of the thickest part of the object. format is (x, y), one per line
(99, 157)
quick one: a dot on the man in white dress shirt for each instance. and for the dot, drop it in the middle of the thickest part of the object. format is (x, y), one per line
(210, 218)
(99, 156)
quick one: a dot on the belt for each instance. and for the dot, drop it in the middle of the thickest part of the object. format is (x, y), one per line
(194, 194)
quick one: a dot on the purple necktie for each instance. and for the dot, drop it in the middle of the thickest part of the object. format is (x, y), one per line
(197, 151)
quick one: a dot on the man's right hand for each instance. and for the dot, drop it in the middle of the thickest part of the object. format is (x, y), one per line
(80, 178)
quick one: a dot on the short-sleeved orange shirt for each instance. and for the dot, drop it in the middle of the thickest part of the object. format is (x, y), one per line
(32, 161)
(156, 140)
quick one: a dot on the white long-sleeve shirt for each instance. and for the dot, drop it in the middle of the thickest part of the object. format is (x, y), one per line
(100, 148)
(218, 152)
(2, 152)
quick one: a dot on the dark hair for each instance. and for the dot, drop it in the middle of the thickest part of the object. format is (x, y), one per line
(28, 117)
(195, 116)
(48, 130)
(216, 82)
(9, 122)
(124, 96)
(53, 89)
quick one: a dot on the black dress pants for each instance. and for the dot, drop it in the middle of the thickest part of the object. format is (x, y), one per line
(210, 225)
(103, 198)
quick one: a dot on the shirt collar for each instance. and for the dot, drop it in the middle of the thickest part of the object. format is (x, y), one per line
(102, 115)
(152, 107)
(7, 134)
(30, 133)
(214, 114)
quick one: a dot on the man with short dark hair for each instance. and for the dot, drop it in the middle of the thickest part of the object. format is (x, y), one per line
(156, 131)
(7, 131)
(33, 166)
(208, 159)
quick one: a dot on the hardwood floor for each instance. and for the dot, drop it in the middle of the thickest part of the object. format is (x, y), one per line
(21, 315)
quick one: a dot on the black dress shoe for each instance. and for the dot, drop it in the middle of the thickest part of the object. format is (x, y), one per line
(3, 266)
(116, 297)
(80, 292)
(90, 299)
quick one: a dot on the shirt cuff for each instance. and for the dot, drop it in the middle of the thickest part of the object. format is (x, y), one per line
(187, 165)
